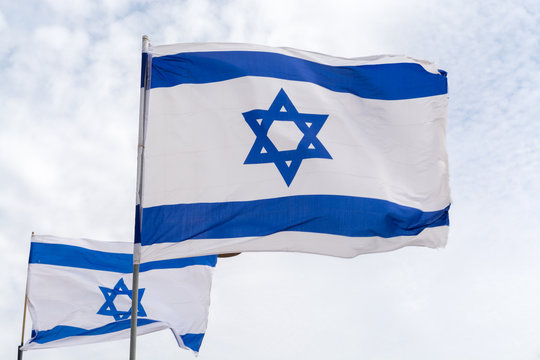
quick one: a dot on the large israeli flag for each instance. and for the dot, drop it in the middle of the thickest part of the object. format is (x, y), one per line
(252, 148)
(79, 292)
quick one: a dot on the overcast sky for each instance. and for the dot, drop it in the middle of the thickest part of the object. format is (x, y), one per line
(69, 99)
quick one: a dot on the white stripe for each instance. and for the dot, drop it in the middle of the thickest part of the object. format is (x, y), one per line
(106, 246)
(180, 297)
(62, 295)
(197, 141)
(334, 245)
(171, 49)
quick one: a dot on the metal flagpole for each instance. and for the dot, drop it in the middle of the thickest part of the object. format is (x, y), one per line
(20, 352)
(145, 86)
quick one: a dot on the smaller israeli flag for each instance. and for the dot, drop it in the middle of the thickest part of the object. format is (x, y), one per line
(79, 292)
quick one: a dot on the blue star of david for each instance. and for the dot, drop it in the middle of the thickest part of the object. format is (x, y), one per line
(287, 161)
(109, 309)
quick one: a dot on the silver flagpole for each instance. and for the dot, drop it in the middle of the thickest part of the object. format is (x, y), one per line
(145, 87)
(20, 352)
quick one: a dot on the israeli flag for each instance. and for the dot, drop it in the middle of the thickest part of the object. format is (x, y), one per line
(253, 148)
(79, 292)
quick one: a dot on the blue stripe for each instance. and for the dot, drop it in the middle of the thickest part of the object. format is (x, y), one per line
(144, 63)
(78, 257)
(209, 260)
(327, 214)
(137, 234)
(381, 81)
(62, 331)
(75, 256)
(192, 341)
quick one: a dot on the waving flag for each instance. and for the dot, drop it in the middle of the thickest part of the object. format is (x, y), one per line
(79, 292)
(252, 148)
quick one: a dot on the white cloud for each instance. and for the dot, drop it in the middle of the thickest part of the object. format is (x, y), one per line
(73, 8)
(3, 23)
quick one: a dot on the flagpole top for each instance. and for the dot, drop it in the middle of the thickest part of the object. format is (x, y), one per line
(145, 43)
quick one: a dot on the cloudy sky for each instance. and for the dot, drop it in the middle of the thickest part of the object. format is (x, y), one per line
(69, 94)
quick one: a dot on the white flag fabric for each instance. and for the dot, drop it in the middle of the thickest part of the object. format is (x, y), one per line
(253, 148)
(79, 292)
